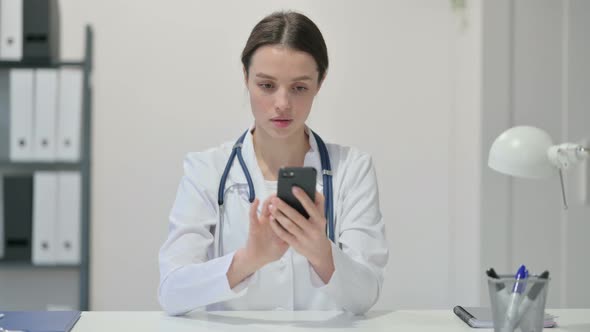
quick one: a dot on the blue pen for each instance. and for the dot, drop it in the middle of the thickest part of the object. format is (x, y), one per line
(515, 299)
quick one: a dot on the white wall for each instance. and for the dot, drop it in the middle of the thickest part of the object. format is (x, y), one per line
(465, 162)
(168, 80)
(535, 72)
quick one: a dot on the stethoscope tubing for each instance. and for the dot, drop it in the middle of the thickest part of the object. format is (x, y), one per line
(326, 178)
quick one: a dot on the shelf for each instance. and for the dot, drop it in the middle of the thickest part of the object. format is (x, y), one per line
(29, 264)
(34, 65)
(62, 283)
(29, 167)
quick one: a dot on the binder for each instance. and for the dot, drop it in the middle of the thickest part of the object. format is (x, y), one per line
(39, 321)
(4, 114)
(41, 31)
(45, 190)
(21, 114)
(16, 114)
(45, 115)
(1, 216)
(68, 218)
(11, 30)
(17, 190)
(69, 114)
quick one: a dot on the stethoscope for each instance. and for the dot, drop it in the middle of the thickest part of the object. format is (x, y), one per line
(326, 178)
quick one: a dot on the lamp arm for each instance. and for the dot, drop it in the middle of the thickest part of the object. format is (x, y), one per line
(566, 154)
(563, 156)
(563, 196)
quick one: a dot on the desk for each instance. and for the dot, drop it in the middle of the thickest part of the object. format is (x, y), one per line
(285, 321)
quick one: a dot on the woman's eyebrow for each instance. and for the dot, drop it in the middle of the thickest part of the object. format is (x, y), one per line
(302, 78)
(299, 78)
(262, 75)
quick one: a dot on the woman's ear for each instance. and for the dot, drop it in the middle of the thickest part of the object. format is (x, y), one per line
(322, 81)
(245, 72)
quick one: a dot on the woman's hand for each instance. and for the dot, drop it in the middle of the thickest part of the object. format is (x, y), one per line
(263, 245)
(306, 235)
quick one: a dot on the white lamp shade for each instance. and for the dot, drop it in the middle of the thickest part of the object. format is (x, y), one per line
(522, 151)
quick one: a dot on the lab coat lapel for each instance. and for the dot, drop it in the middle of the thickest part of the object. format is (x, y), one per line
(312, 159)
(236, 175)
(255, 172)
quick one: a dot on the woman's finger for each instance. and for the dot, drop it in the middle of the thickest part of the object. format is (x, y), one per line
(288, 224)
(307, 203)
(265, 209)
(280, 232)
(294, 215)
(254, 211)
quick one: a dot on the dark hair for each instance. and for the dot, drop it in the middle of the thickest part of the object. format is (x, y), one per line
(291, 29)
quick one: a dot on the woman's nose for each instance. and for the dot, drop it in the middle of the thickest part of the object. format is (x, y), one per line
(283, 100)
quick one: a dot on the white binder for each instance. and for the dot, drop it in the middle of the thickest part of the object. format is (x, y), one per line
(68, 217)
(45, 106)
(11, 30)
(4, 114)
(44, 218)
(21, 114)
(69, 114)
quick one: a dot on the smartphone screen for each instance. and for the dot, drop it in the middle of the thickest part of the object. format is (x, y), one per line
(302, 177)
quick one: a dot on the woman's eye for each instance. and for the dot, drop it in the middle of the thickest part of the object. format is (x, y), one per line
(265, 86)
(300, 89)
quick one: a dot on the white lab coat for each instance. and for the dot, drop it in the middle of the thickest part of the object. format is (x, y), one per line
(192, 276)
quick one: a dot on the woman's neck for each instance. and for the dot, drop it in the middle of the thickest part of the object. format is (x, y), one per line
(272, 153)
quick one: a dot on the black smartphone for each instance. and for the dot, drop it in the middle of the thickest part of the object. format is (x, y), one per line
(302, 177)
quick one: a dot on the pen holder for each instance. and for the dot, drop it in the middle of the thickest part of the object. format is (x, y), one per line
(518, 311)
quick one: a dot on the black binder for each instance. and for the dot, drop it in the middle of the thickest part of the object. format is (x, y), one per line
(41, 29)
(17, 205)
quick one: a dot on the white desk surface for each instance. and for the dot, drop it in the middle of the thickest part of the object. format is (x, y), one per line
(284, 321)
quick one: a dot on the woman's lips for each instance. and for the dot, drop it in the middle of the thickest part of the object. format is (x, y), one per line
(281, 123)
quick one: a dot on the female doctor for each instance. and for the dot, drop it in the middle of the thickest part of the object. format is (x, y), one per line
(232, 244)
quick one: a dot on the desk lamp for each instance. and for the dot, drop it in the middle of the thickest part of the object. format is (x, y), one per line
(529, 152)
